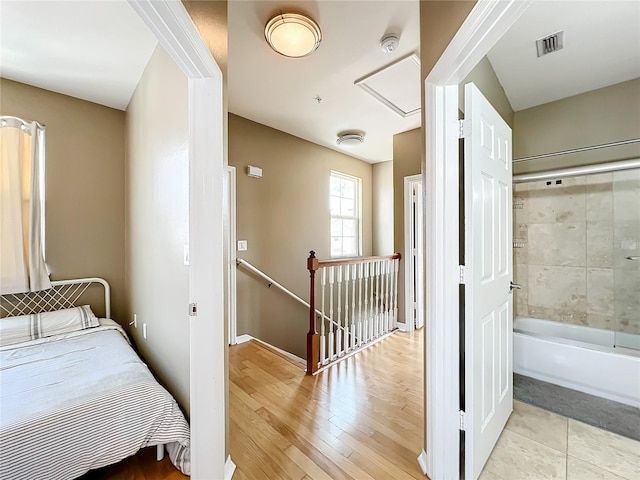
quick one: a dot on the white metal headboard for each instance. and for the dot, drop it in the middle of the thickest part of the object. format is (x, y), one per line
(62, 294)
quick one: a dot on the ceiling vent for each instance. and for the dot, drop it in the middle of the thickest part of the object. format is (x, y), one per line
(550, 44)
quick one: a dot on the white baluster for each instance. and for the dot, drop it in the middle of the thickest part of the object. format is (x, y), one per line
(380, 287)
(372, 299)
(365, 320)
(352, 338)
(330, 340)
(339, 322)
(387, 268)
(360, 271)
(323, 338)
(345, 348)
(396, 264)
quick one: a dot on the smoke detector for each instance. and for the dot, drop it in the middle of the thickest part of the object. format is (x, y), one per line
(550, 43)
(389, 42)
(350, 139)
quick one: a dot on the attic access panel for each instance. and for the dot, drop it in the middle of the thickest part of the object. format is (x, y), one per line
(397, 85)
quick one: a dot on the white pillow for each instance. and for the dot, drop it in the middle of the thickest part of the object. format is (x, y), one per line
(47, 324)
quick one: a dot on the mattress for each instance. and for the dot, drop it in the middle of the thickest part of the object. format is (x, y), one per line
(81, 401)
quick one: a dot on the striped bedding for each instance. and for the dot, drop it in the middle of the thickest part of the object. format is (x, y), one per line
(81, 401)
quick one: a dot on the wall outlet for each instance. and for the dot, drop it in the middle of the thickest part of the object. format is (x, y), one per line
(144, 331)
(242, 245)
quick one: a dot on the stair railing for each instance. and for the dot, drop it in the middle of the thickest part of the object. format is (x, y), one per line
(361, 296)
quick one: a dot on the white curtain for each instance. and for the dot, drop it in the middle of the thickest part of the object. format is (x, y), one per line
(22, 265)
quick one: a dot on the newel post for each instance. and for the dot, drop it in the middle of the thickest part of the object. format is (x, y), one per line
(313, 340)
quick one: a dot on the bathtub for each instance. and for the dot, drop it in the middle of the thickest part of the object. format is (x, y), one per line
(576, 357)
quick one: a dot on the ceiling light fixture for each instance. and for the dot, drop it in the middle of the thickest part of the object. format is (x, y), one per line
(292, 35)
(350, 139)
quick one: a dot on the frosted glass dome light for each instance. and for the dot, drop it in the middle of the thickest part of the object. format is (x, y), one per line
(292, 35)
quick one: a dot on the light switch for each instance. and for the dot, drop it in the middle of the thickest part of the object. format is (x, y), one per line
(242, 245)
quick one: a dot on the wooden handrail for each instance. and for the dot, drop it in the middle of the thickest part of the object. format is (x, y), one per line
(352, 260)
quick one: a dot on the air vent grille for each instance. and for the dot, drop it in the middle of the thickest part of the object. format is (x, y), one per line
(550, 43)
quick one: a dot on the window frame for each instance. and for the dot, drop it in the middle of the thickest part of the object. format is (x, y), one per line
(357, 217)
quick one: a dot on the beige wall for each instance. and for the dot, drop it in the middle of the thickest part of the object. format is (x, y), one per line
(157, 221)
(407, 159)
(283, 215)
(84, 184)
(601, 116)
(382, 243)
(484, 77)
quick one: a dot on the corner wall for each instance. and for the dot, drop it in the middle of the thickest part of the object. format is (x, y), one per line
(383, 225)
(283, 215)
(84, 175)
(407, 160)
(157, 221)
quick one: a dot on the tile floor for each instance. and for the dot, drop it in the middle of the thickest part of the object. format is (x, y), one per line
(537, 444)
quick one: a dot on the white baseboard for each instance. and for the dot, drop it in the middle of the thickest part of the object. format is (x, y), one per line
(246, 338)
(229, 468)
(422, 461)
(243, 338)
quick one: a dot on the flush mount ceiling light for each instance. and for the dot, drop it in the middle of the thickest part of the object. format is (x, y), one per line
(292, 35)
(350, 139)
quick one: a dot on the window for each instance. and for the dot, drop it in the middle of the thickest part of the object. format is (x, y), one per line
(345, 215)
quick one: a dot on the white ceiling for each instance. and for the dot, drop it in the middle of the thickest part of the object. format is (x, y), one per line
(93, 50)
(97, 51)
(601, 48)
(279, 92)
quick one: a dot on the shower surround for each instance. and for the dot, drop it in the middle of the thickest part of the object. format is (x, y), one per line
(572, 239)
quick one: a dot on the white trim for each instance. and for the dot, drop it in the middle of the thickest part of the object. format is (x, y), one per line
(245, 338)
(486, 23)
(422, 461)
(173, 27)
(358, 217)
(230, 226)
(229, 468)
(408, 255)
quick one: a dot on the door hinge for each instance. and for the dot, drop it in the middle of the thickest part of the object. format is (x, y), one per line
(462, 272)
(464, 128)
(193, 309)
(462, 420)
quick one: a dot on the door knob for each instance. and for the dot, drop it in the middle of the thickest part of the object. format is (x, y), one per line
(513, 286)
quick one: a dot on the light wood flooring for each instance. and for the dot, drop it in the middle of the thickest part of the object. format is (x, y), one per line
(360, 420)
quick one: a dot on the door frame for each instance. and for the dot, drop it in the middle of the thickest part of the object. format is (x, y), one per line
(409, 275)
(169, 21)
(487, 22)
(231, 251)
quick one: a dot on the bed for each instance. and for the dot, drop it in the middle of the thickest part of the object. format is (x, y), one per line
(75, 398)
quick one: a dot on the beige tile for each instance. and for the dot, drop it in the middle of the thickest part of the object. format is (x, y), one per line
(521, 276)
(626, 242)
(516, 457)
(560, 244)
(610, 452)
(599, 192)
(600, 243)
(604, 322)
(626, 196)
(558, 203)
(579, 470)
(544, 427)
(600, 291)
(627, 300)
(489, 476)
(563, 288)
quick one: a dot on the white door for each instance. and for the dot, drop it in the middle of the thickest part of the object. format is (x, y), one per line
(488, 257)
(414, 255)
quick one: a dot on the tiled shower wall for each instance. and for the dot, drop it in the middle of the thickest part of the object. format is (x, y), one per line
(573, 238)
